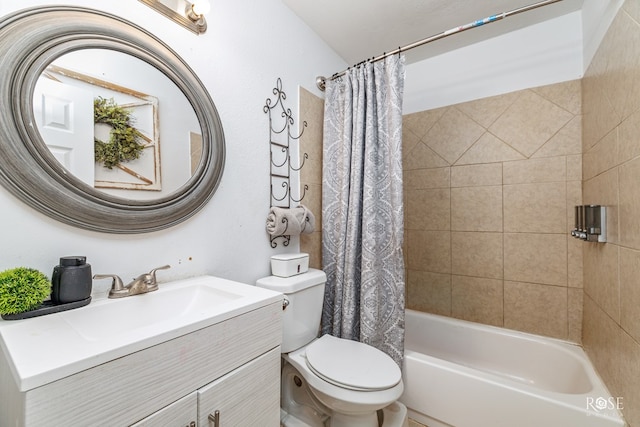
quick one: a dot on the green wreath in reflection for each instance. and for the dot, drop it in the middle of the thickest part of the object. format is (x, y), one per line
(123, 145)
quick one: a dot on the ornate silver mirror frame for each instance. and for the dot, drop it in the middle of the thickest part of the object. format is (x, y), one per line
(30, 40)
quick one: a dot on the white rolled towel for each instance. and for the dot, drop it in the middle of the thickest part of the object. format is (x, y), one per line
(290, 221)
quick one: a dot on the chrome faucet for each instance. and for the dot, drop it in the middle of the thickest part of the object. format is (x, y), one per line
(140, 285)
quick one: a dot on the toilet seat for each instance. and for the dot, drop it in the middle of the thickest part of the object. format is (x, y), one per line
(351, 364)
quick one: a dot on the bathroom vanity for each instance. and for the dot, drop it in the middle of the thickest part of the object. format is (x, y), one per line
(203, 351)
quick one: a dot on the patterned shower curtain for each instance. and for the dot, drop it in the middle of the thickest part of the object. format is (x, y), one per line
(362, 211)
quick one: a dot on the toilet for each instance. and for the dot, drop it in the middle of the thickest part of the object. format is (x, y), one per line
(330, 381)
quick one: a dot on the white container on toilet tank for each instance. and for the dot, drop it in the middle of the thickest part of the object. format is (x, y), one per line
(287, 265)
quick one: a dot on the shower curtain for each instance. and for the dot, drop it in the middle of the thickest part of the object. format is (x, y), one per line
(362, 210)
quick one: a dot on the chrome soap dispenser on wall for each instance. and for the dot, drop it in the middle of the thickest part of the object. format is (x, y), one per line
(590, 223)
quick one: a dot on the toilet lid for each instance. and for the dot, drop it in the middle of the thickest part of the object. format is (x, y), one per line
(351, 364)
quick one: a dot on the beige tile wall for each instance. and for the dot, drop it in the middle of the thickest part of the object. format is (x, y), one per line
(490, 187)
(611, 173)
(312, 112)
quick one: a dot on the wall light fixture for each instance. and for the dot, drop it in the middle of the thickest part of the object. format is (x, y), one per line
(188, 13)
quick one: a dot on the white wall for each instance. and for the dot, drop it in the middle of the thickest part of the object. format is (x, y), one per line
(597, 16)
(540, 54)
(550, 52)
(248, 45)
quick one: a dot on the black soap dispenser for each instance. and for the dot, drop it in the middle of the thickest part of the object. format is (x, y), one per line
(71, 280)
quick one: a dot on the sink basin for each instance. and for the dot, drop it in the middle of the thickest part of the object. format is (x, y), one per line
(146, 310)
(44, 349)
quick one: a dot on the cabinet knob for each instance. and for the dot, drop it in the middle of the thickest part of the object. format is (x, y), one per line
(214, 419)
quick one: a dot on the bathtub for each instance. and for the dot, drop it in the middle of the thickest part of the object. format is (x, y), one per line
(464, 374)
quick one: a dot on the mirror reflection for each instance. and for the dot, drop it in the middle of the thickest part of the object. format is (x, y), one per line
(117, 124)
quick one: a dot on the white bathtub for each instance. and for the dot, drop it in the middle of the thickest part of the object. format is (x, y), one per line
(464, 374)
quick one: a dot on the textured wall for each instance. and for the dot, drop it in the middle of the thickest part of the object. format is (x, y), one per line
(490, 187)
(611, 173)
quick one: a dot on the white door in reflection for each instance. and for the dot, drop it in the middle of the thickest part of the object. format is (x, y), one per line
(64, 116)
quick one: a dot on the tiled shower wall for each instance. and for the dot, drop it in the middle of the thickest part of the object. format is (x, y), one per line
(490, 187)
(611, 172)
(312, 112)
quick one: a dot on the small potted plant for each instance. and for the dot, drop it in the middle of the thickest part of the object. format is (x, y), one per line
(22, 289)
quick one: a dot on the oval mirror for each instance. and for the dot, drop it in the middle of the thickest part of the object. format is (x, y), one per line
(72, 75)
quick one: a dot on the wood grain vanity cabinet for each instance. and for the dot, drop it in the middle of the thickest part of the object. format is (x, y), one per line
(232, 367)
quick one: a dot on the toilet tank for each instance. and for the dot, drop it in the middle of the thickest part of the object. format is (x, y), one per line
(304, 295)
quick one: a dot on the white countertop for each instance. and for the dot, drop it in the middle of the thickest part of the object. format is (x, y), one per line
(47, 348)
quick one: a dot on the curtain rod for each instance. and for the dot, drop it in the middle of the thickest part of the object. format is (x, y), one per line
(321, 80)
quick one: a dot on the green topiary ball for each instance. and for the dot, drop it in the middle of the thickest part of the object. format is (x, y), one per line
(22, 289)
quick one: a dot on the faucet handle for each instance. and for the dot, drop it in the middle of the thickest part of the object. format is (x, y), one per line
(164, 267)
(117, 287)
(153, 285)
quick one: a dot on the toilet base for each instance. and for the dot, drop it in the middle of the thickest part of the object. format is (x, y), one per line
(301, 408)
(345, 420)
(394, 415)
(288, 420)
